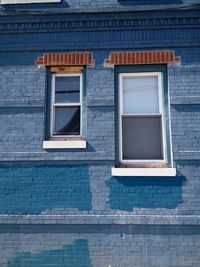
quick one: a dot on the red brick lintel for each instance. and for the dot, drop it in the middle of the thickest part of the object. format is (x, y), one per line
(142, 57)
(66, 59)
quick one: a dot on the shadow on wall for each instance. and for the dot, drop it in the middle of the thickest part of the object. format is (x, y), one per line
(127, 193)
(72, 255)
(149, 3)
(58, 230)
(31, 190)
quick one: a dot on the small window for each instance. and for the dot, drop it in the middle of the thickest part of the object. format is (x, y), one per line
(142, 122)
(66, 105)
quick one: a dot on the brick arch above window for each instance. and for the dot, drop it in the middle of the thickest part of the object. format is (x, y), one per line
(66, 59)
(142, 57)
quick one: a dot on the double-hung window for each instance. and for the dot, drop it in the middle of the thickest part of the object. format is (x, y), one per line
(65, 112)
(66, 105)
(143, 136)
(142, 133)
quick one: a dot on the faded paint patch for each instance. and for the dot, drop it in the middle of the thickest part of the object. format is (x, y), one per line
(73, 255)
(31, 190)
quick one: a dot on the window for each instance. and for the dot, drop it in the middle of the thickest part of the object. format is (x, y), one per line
(141, 118)
(143, 121)
(65, 112)
(66, 107)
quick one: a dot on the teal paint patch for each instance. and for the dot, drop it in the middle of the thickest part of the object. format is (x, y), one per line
(145, 192)
(31, 190)
(76, 255)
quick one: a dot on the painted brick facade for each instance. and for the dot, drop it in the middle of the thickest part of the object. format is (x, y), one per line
(63, 207)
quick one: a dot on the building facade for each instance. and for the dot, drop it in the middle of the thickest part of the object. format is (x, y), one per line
(100, 133)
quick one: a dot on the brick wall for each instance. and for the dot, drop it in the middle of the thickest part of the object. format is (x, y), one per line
(63, 207)
(101, 246)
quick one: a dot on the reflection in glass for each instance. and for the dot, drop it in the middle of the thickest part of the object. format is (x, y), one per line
(67, 89)
(140, 95)
(67, 121)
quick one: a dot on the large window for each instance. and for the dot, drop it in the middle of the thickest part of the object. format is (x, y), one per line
(143, 118)
(66, 105)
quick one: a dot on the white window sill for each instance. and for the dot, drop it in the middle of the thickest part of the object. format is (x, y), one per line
(63, 144)
(143, 171)
(4, 2)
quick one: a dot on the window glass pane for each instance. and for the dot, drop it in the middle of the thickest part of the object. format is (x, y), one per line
(67, 121)
(67, 89)
(140, 95)
(141, 138)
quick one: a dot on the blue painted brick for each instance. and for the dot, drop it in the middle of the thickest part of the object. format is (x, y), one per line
(77, 185)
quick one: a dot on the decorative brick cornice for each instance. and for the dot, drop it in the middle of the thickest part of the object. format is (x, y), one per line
(142, 57)
(66, 59)
(107, 22)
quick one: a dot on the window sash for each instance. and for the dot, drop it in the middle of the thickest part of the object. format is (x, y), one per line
(160, 114)
(140, 94)
(72, 94)
(141, 137)
(64, 104)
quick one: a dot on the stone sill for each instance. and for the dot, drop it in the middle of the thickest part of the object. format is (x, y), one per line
(100, 219)
(64, 144)
(144, 172)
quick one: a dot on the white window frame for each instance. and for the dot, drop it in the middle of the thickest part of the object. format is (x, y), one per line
(12, 2)
(53, 105)
(161, 113)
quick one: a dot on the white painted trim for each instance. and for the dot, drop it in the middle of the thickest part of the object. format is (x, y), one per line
(9, 2)
(51, 144)
(53, 104)
(143, 171)
(170, 126)
(161, 108)
(161, 111)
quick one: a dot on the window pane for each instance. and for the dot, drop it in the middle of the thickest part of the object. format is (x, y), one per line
(140, 95)
(141, 138)
(67, 121)
(67, 89)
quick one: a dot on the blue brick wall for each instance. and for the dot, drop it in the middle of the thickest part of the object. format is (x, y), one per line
(56, 188)
(71, 255)
(12, 79)
(100, 246)
(90, 218)
(19, 122)
(185, 127)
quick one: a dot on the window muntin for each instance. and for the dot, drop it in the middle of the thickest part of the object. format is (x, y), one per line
(141, 125)
(66, 105)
